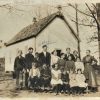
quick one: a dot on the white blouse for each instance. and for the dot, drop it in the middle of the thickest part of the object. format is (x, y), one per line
(54, 59)
(34, 72)
(79, 65)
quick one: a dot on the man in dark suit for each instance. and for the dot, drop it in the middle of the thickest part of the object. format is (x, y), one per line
(45, 56)
(69, 54)
(29, 60)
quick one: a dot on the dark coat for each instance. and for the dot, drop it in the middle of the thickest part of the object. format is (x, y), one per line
(19, 64)
(45, 59)
(76, 56)
(66, 57)
(29, 59)
(61, 63)
(37, 60)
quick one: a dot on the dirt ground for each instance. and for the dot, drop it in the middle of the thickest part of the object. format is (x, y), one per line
(7, 89)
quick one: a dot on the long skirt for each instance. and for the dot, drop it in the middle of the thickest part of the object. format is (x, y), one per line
(89, 73)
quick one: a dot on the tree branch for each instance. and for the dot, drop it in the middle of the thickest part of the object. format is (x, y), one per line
(94, 7)
(84, 24)
(93, 15)
(80, 11)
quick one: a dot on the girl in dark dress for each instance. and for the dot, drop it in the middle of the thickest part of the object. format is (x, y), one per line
(62, 62)
(70, 65)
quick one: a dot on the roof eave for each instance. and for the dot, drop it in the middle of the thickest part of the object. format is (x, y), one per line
(71, 29)
(9, 44)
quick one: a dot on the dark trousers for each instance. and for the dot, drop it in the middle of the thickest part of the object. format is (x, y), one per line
(19, 78)
(81, 90)
(74, 90)
(45, 82)
(57, 88)
(26, 79)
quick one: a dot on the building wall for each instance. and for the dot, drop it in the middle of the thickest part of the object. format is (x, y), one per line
(11, 52)
(57, 36)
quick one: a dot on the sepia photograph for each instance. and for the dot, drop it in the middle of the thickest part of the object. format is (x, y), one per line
(49, 48)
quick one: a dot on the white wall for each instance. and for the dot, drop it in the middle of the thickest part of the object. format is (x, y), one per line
(11, 52)
(58, 35)
(2, 52)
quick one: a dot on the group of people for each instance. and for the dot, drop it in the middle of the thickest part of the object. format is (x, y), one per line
(49, 72)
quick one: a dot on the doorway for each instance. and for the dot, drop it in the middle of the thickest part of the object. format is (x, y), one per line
(58, 52)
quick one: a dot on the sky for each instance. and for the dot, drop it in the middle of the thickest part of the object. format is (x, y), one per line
(12, 21)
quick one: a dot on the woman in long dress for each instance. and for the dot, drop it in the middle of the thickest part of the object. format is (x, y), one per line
(89, 71)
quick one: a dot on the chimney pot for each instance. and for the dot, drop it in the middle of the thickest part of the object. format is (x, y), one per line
(34, 19)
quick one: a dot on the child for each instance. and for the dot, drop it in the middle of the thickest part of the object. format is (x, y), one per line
(56, 78)
(45, 77)
(73, 82)
(34, 75)
(80, 78)
(70, 64)
(62, 61)
(65, 80)
(79, 65)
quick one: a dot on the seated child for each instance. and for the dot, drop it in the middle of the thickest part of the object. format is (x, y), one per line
(56, 81)
(79, 65)
(65, 80)
(45, 77)
(80, 78)
(34, 75)
(72, 82)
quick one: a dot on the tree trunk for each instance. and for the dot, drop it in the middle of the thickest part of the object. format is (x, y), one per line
(98, 26)
(77, 28)
(99, 43)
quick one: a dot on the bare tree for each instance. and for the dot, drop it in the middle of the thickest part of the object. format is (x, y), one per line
(92, 13)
